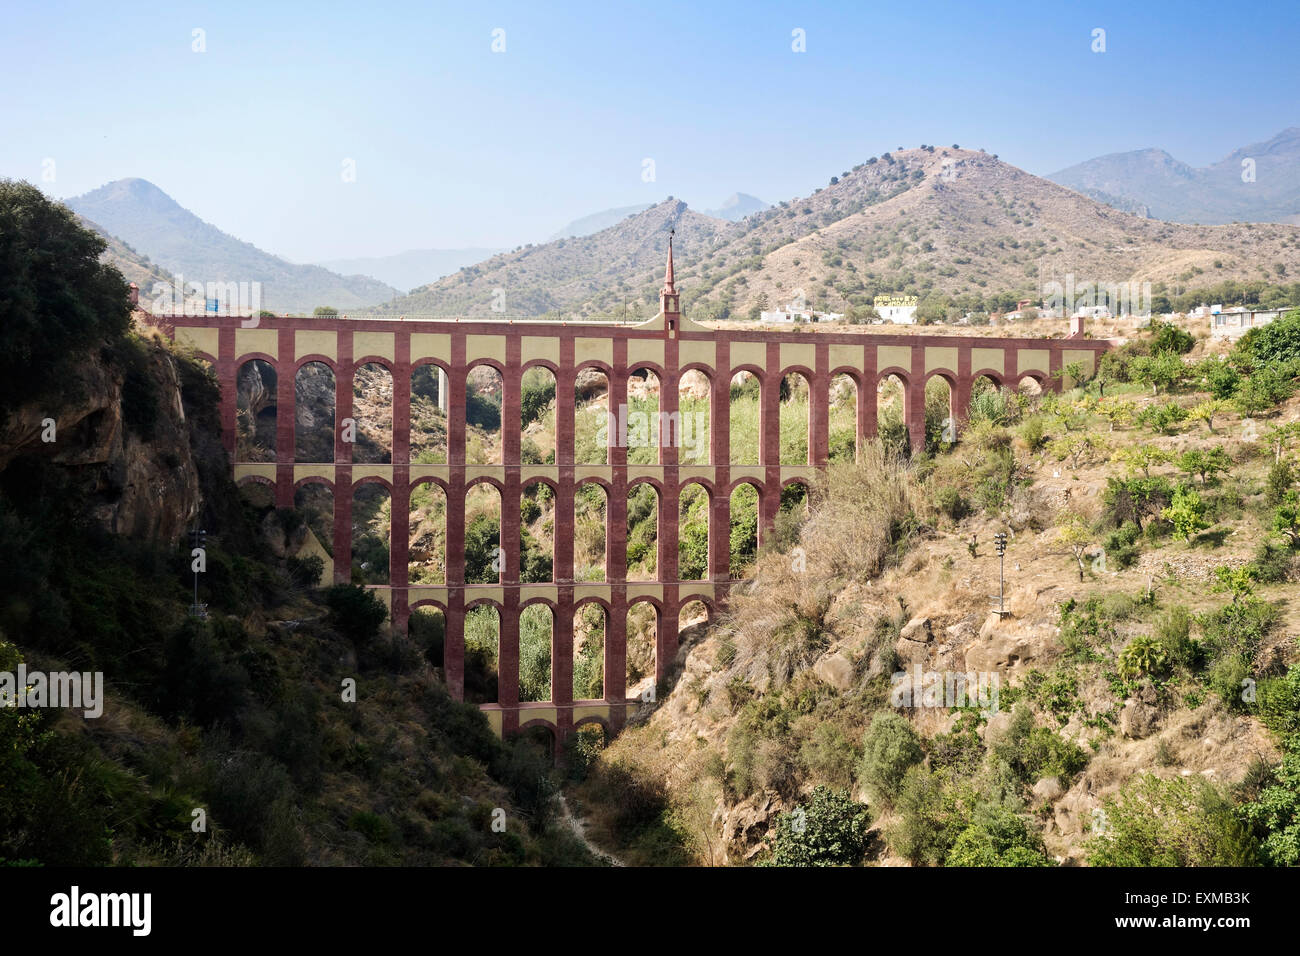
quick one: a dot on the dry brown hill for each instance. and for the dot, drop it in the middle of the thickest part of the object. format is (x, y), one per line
(585, 274)
(938, 222)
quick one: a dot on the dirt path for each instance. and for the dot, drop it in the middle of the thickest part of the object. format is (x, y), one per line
(579, 829)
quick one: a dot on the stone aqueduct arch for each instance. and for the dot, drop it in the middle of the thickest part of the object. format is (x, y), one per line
(669, 345)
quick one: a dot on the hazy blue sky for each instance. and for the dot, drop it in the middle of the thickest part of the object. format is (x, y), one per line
(455, 145)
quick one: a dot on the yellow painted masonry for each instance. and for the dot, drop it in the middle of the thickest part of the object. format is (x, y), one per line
(748, 353)
(643, 350)
(593, 350)
(991, 359)
(315, 343)
(796, 353)
(434, 345)
(1032, 360)
(940, 357)
(891, 356)
(202, 340)
(846, 356)
(536, 347)
(257, 340)
(373, 343)
(696, 352)
(478, 347)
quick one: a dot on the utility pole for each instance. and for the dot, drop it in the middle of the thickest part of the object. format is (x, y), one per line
(1000, 542)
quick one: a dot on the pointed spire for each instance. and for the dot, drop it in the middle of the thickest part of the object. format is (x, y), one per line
(668, 272)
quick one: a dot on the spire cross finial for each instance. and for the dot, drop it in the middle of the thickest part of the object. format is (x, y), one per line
(668, 272)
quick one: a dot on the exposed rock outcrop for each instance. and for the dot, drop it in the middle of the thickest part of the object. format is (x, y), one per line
(141, 487)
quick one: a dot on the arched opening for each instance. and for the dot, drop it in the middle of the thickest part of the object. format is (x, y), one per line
(427, 547)
(313, 413)
(744, 529)
(590, 532)
(313, 502)
(642, 531)
(589, 622)
(537, 417)
(940, 414)
(428, 415)
(541, 738)
(692, 620)
(990, 402)
(1030, 385)
(593, 434)
(484, 558)
(642, 634)
(535, 625)
(843, 400)
(584, 746)
(482, 645)
(536, 533)
(892, 414)
(255, 412)
(371, 533)
(743, 418)
(643, 417)
(260, 495)
(372, 407)
(693, 532)
(483, 416)
(795, 393)
(694, 395)
(427, 629)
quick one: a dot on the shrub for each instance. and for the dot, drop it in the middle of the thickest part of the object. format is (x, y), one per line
(929, 819)
(355, 612)
(998, 837)
(1281, 476)
(1168, 337)
(1278, 341)
(1143, 657)
(1177, 822)
(952, 503)
(889, 747)
(831, 830)
(829, 755)
(1121, 545)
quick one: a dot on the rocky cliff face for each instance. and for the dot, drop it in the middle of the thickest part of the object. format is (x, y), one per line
(137, 481)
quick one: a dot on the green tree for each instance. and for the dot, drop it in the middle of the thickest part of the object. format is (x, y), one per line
(58, 300)
(1161, 370)
(1205, 464)
(830, 830)
(889, 747)
(1205, 411)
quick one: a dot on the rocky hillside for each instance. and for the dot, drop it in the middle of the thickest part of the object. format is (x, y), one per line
(605, 271)
(1145, 673)
(939, 222)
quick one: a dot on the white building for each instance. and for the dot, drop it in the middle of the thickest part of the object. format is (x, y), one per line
(899, 309)
(1236, 322)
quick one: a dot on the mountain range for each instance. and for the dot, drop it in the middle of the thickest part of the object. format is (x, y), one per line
(1256, 183)
(930, 222)
(140, 214)
(415, 267)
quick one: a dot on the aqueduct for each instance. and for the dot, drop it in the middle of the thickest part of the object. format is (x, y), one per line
(670, 346)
